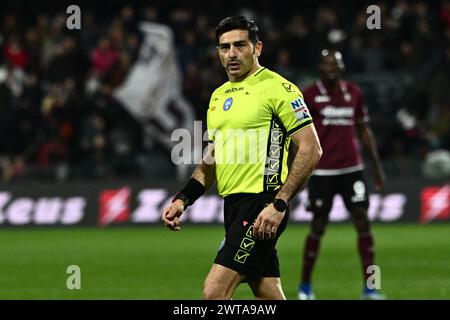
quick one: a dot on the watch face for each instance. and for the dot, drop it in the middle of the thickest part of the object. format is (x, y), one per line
(279, 205)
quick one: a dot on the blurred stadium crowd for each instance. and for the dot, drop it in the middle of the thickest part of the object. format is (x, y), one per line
(59, 122)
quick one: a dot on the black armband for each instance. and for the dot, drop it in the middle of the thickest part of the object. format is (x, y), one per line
(190, 193)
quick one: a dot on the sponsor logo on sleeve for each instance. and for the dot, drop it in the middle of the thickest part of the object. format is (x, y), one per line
(300, 109)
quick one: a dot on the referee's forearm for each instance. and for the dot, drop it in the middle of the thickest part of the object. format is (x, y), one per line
(304, 163)
(205, 174)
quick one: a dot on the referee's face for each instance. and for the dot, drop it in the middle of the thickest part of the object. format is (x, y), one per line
(238, 55)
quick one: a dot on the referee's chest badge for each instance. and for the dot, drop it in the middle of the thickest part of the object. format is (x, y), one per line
(227, 104)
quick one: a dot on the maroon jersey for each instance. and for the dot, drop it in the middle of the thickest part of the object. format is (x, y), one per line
(335, 115)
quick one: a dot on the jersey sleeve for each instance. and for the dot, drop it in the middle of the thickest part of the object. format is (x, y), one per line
(289, 106)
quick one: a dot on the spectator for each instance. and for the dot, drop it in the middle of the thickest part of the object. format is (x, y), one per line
(15, 53)
(103, 57)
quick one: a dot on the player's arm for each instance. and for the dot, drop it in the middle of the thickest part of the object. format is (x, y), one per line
(366, 136)
(201, 180)
(307, 156)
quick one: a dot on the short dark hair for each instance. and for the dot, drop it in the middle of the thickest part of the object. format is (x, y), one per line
(238, 22)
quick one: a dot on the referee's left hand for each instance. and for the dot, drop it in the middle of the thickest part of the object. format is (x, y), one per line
(267, 223)
(171, 215)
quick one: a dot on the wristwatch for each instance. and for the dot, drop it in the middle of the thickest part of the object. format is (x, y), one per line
(280, 205)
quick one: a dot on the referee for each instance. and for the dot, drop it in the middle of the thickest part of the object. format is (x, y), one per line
(251, 121)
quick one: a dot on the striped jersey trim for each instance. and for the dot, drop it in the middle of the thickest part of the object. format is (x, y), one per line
(304, 124)
(260, 71)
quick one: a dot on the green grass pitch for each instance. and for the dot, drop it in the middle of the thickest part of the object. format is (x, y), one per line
(154, 263)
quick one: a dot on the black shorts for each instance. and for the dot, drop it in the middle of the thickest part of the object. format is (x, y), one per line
(351, 186)
(240, 250)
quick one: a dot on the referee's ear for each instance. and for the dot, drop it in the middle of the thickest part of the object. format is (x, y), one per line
(257, 48)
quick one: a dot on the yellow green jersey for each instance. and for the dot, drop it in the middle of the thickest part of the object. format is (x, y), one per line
(250, 124)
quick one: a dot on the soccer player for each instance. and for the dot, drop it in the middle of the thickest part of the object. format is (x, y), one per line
(338, 109)
(251, 121)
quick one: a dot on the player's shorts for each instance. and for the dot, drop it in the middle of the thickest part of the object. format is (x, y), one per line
(240, 250)
(351, 186)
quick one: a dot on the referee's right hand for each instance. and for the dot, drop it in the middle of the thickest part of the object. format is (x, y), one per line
(171, 215)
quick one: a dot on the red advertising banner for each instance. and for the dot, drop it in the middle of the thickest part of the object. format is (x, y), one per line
(114, 206)
(435, 203)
